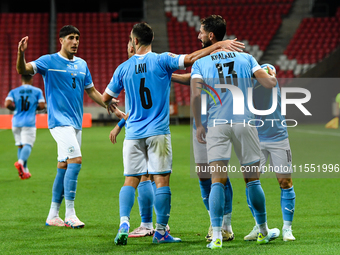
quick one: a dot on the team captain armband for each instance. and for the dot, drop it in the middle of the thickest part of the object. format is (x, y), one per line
(121, 123)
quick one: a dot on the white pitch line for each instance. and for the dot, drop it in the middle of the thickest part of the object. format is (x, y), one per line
(315, 132)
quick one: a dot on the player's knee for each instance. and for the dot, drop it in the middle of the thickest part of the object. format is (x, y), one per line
(285, 183)
(62, 165)
(77, 160)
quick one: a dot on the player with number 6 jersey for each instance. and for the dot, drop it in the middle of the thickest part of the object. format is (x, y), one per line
(147, 146)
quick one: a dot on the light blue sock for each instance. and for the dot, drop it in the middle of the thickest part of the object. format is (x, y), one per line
(126, 200)
(216, 204)
(205, 187)
(288, 203)
(154, 187)
(58, 186)
(18, 153)
(162, 205)
(249, 204)
(228, 194)
(25, 152)
(258, 201)
(70, 180)
(145, 200)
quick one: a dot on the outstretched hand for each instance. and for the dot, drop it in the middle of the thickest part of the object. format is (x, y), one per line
(22, 46)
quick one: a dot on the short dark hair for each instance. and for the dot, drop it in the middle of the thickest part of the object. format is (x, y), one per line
(68, 29)
(143, 32)
(27, 78)
(215, 24)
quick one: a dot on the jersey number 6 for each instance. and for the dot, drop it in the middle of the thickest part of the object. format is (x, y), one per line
(145, 92)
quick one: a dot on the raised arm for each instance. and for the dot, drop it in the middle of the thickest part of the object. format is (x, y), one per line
(227, 44)
(22, 66)
(181, 78)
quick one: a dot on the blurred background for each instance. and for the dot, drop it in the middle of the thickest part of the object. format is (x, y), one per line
(300, 38)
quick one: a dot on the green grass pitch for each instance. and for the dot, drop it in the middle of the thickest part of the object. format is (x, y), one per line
(24, 204)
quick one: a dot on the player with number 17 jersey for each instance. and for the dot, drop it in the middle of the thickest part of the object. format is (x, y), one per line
(65, 81)
(232, 68)
(146, 80)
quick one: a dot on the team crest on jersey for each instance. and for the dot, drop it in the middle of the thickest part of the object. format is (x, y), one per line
(172, 55)
(71, 149)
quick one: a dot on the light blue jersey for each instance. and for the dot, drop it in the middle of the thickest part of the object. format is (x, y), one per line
(204, 121)
(26, 99)
(232, 68)
(272, 129)
(65, 81)
(146, 80)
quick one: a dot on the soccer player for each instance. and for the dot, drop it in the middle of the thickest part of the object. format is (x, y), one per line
(147, 145)
(147, 186)
(226, 129)
(212, 30)
(24, 101)
(275, 145)
(66, 77)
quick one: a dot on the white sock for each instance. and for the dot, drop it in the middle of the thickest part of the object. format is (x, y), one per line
(263, 228)
(147, 225)
(54, 211)
(226, 225)
(69, 205)
(26, 170)
(124, 219)
(21, 161)
(217, 234)
(160, 229)
(287, 224)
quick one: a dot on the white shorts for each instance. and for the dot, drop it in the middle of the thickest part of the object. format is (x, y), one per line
(151, 155)
(280, 157)
(200, 150)
(24, 135)
(244, 138)
(68, 141)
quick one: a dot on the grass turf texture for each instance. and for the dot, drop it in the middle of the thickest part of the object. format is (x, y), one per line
(25, 203)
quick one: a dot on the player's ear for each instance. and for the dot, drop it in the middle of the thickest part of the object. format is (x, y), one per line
(136, 40)
(61, 40)
(211, 36)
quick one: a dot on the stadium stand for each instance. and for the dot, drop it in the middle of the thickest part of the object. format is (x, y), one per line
(184, 23)
(314, 40)
(11, 31)
(103, 45)
(103, 39)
